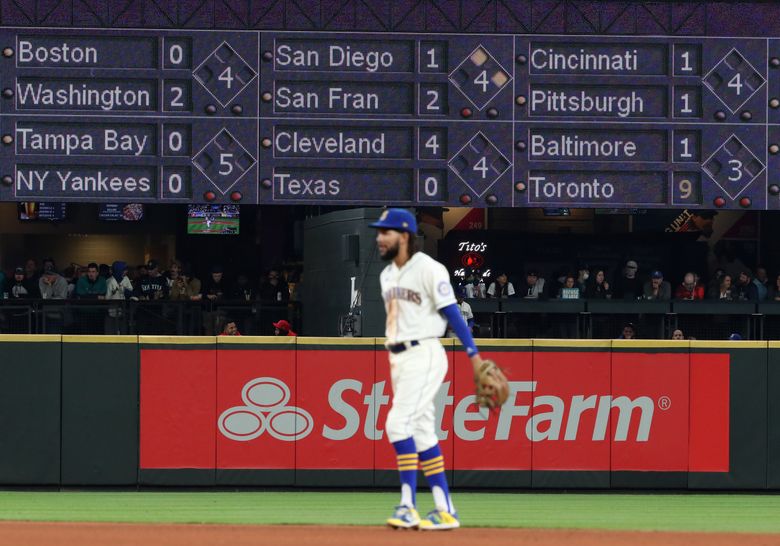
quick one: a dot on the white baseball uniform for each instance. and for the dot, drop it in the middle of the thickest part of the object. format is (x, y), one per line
(413, 296)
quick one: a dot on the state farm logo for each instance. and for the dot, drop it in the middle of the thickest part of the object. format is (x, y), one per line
(265, 409)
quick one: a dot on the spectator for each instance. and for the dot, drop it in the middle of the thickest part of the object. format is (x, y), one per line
(52, 285)
(534, 286)
(629, 331)
(689, 289)
(465, 311)
(214, 290)
(91, 285)
(186, 287)
(724, 290)
(104, 271)
(583, 275)
(735, 337)
(273, 289)
(570, 290)
(153, 286)
(118, 287)
(31, 272)
(71, 274)
(761, 281)
(746, 290)
(242, 290)
(678, 335)
(172, 274)
(629, 287)
(657, 288)
(17, 287)
(230, 328)
(283, 328)
(598, 288)
(501, 287)
(774, 293)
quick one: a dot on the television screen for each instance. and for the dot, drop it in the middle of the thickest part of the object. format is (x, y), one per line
(37, 210)
(129, 212)
(212, 219)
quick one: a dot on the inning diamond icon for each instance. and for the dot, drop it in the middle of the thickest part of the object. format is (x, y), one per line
(479, 164)
(733, 166)
(224, 74)
(734, 80)
(224, 161)
(480, 77)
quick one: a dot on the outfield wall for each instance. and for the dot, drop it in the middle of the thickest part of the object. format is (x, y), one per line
(254, 411)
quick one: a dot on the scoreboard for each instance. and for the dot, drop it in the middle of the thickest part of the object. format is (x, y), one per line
(289, 117)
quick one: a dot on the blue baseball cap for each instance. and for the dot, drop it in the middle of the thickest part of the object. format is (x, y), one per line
(397, 219)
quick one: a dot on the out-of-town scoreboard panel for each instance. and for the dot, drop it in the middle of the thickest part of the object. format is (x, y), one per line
(344, 118)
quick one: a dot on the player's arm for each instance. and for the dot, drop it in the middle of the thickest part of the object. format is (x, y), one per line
(443, 296)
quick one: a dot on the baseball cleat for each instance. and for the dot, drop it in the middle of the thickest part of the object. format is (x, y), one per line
(404, 517)
(439, 520)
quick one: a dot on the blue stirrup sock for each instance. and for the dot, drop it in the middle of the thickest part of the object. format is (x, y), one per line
(406, 457)
(432, 464)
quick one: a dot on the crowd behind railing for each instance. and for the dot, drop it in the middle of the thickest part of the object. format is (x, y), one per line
(147, 299)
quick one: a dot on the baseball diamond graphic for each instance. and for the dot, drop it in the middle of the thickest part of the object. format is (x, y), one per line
(265, 410)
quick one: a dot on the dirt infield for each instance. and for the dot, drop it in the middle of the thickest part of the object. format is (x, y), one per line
(101, 534)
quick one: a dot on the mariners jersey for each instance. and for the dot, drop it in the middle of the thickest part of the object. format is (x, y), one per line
(413, 296)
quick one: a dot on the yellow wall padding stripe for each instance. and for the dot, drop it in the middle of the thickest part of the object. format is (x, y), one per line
(30, 338)
(486, 343)
(336, 341)
(598, 343)
(726, 344)
(650, 344)
(256, 340)
(99, 339)
(177, 340)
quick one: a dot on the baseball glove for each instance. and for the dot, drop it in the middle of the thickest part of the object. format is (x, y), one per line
(492, 385)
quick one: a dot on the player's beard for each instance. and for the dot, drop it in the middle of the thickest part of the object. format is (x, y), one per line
(390, 252)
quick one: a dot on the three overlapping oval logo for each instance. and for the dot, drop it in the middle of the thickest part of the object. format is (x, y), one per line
(265, 409)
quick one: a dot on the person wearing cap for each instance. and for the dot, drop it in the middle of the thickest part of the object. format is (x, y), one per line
(283, 328)
(465, 311)
(501, 287)
(52, 285)
(629, 286)
(15, 288)
(657, 288)
(153, 286)
(629, 331)
(534, 285)
(420, 303)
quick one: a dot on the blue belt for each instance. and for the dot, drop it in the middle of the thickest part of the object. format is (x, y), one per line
(396, 348)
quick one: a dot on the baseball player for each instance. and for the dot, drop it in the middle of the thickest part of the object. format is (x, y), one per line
(419, 302)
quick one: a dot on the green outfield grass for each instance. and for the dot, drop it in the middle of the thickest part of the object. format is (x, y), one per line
(642, 511)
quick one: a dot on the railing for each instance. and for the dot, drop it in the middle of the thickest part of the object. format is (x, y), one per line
(164, 317)
(604, 319)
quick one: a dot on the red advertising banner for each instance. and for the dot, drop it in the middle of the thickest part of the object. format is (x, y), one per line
(178, 407)
(323, 406)
(255, 401)
(335, 385)
(487, 440)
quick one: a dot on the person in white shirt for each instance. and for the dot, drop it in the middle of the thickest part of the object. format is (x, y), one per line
(501, 287)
